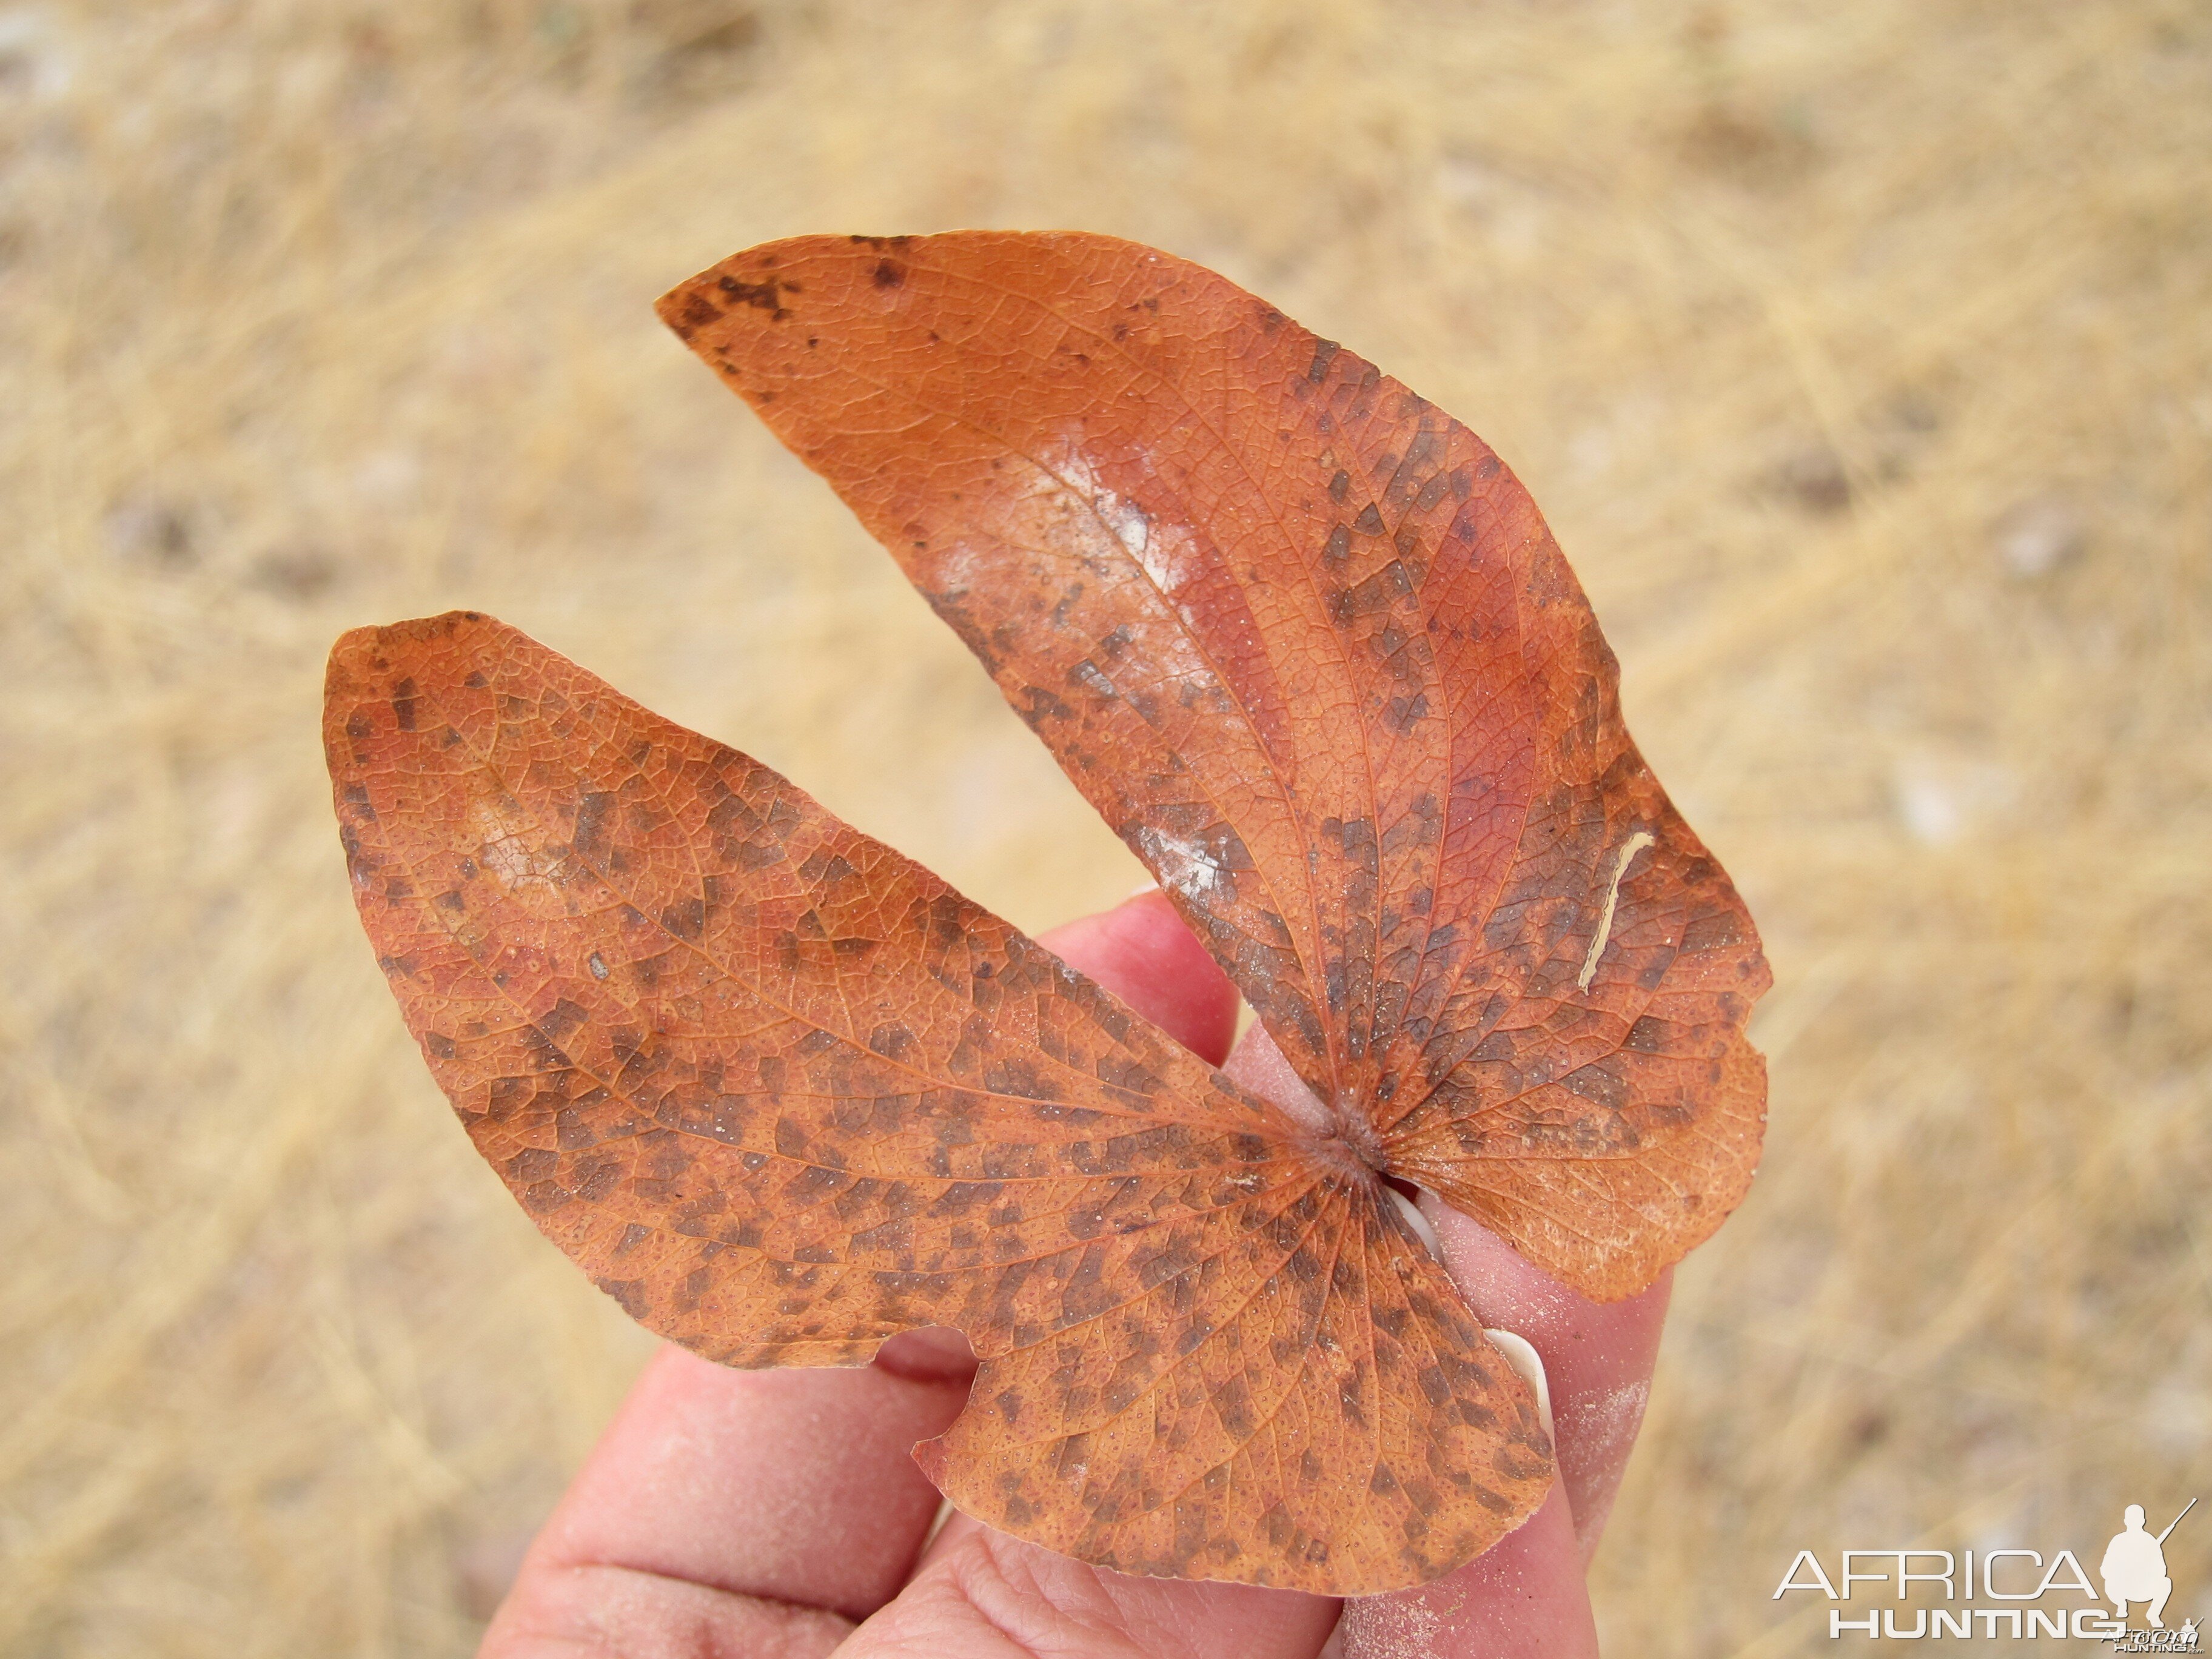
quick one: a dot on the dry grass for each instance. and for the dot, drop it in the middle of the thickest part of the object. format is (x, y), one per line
(1862, 356)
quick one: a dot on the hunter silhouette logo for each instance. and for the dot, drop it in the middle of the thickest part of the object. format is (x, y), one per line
(2133, 1568)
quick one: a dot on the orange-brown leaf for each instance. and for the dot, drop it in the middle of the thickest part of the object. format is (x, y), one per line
(783, 1093)
(1307, 645)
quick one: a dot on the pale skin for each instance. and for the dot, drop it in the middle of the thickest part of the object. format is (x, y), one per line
(777, 1514)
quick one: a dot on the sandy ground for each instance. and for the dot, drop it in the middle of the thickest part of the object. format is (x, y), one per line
(1862, 357)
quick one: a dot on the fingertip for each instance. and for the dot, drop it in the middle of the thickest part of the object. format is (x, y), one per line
(1143, 952)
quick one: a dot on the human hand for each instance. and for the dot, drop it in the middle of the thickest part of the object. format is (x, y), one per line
(779, 1515)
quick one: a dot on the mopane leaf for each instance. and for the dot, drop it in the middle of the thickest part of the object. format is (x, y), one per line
(783, 1093)
(1308, 645)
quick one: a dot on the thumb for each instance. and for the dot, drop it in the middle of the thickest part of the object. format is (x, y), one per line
(1525, 1595)
(1597, 1356)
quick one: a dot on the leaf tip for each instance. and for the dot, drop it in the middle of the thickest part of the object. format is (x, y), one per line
(369, 662)
(379, 643)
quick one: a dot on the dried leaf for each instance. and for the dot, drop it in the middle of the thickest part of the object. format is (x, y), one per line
(782, 1093)
(1308, 646)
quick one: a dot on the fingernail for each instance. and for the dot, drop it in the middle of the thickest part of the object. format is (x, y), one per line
(944, 1512)
(1418, 1223)
(1522, 1355)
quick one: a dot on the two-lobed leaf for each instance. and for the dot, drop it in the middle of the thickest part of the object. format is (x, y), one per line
(1308, 646)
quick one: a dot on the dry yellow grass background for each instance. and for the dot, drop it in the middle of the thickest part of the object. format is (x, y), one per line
(1862, 356)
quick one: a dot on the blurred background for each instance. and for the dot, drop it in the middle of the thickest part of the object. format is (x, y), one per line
(1860, 356)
